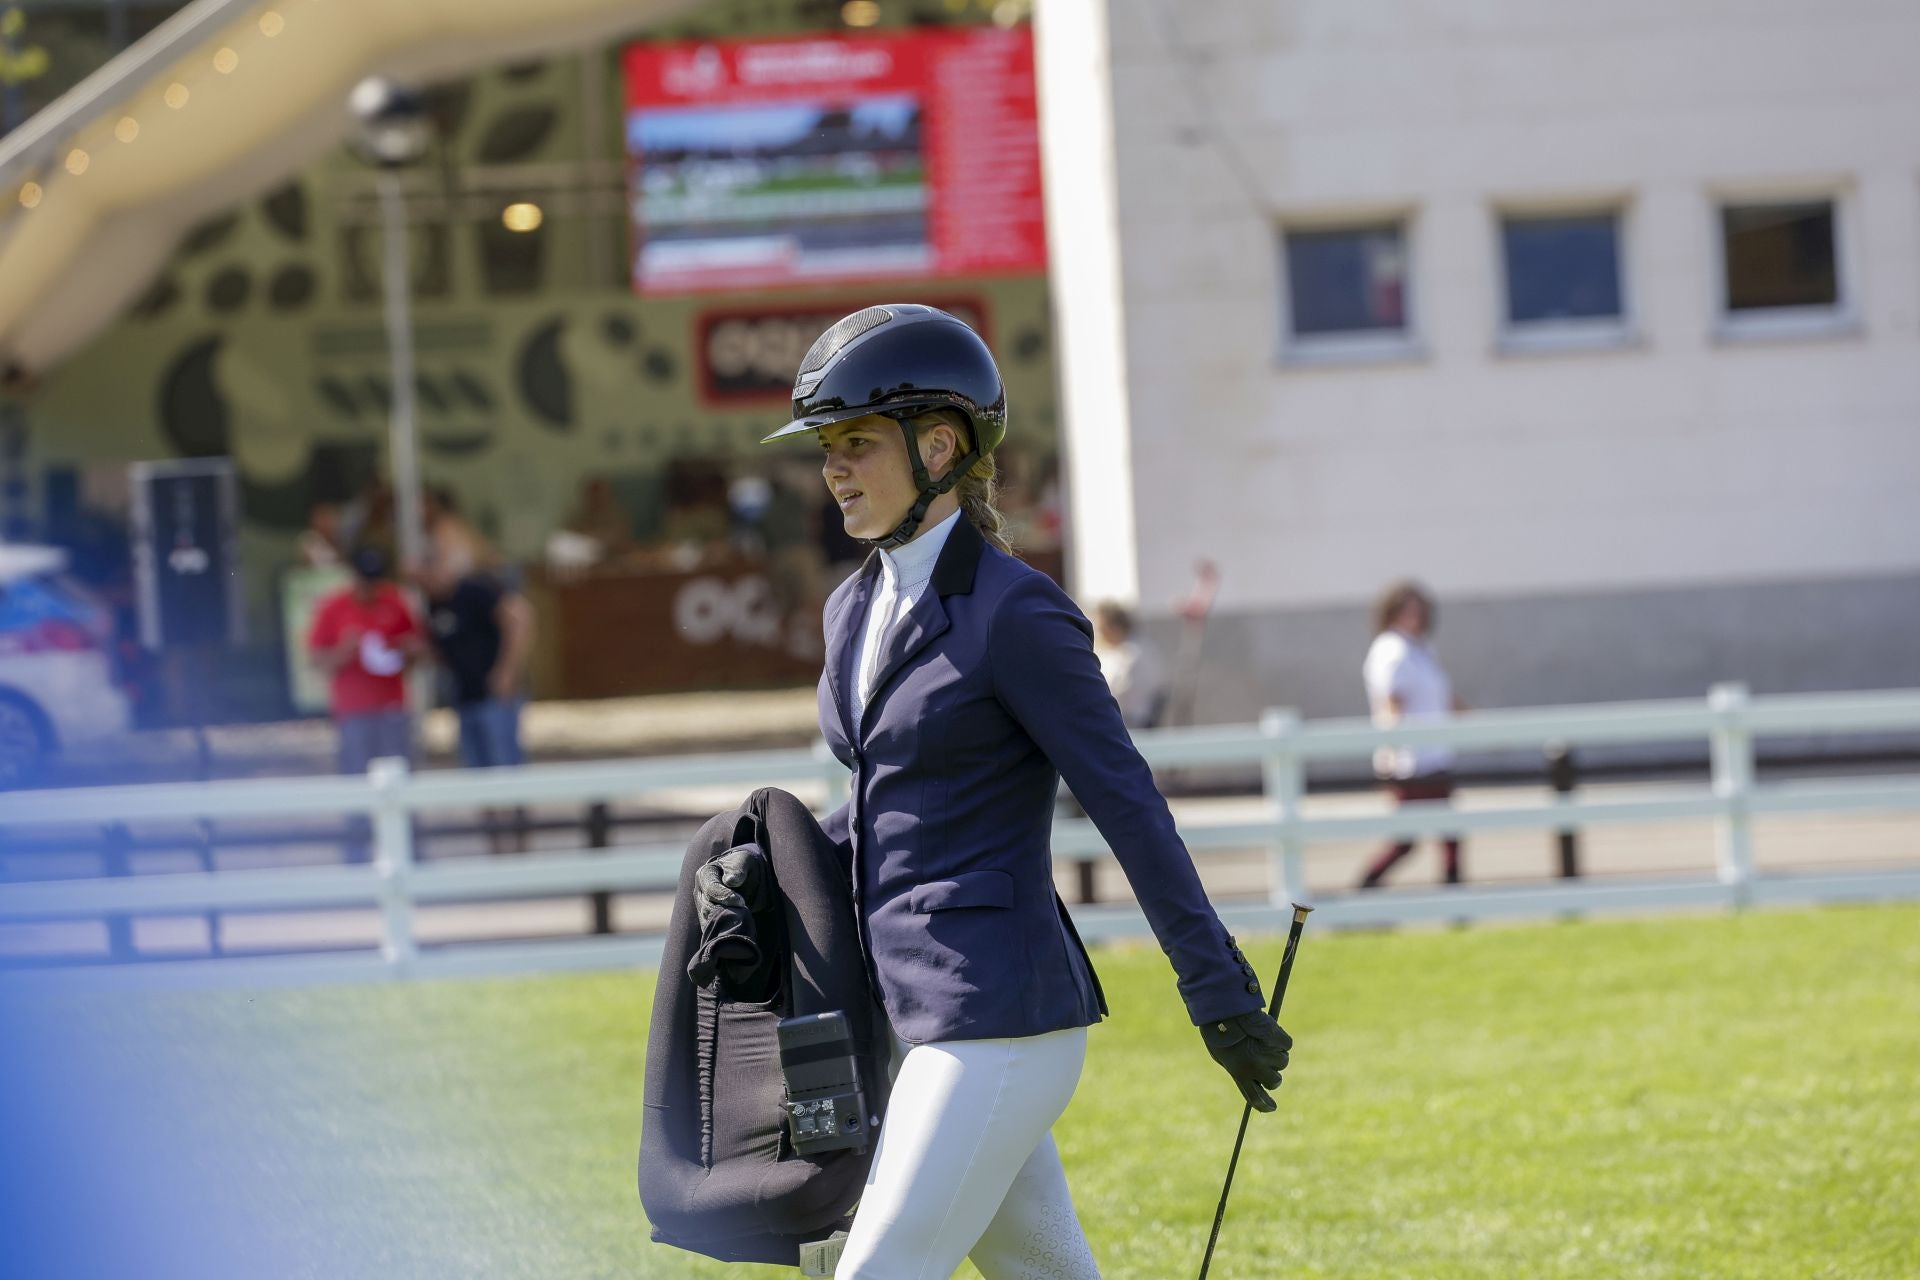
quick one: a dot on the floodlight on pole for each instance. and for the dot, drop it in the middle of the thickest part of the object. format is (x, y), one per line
(395, 131)
(395, 127)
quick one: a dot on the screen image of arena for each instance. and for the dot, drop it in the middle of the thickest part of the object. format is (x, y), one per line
(757, 164)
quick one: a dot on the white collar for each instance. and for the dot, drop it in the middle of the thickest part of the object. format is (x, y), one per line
(912, 564)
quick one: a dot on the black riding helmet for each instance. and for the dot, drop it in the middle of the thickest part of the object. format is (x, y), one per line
(901, 360)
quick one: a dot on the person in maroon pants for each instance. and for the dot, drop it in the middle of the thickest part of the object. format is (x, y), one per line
(1407, 685)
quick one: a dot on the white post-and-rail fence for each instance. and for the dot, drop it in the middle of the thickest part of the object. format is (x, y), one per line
(1281, 744)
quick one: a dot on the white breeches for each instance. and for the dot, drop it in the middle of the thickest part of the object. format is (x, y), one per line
(966, 1167)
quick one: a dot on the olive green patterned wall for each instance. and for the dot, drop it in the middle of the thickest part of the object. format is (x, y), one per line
(538, 366)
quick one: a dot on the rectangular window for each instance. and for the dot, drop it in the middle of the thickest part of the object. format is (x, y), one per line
(1562, 268)
(1780, 255)
(1347, 282)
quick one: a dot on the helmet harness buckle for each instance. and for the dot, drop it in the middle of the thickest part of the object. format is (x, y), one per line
(929, 488)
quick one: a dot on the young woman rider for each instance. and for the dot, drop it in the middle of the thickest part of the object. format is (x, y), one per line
(959, 685)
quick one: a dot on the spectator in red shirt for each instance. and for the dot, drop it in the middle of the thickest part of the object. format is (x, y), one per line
(366, 637)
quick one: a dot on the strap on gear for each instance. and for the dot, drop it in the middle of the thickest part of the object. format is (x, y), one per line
(929, 487)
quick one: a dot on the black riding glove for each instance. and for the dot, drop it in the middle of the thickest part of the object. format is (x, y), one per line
(1253, 1049)
(739, 879)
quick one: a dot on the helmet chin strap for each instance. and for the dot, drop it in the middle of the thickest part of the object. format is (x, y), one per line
(929, 490)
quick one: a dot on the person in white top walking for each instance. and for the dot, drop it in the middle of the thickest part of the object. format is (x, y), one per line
(1407, 685)
(1132, 667)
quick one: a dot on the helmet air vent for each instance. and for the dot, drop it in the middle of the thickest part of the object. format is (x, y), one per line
(844, 331)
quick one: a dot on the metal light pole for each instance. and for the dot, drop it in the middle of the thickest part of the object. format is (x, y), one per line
(395, 132)
(403, 446)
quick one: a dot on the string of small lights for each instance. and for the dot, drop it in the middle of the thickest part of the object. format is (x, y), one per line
(185, 85)
(92, 141)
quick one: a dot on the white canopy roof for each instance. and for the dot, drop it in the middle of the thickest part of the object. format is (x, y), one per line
(222, 101)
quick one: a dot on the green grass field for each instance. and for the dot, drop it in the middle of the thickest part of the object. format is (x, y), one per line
(1688, 1097)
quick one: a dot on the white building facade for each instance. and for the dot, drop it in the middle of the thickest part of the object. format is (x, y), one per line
(1601, 320)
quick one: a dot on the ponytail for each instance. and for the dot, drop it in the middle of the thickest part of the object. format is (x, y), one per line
(977, 491)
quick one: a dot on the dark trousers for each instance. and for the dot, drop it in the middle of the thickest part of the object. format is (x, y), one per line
(490, 732)
(1432, 786)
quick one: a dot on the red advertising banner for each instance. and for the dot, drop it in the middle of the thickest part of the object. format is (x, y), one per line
(833, 158)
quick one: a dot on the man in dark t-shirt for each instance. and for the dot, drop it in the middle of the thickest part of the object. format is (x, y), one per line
(482, 633)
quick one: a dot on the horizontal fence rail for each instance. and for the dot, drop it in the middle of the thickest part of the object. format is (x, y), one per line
(389, 798)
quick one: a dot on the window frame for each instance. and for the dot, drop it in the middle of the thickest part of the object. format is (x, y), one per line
(1358, 346)
(1555, 336)
(1768, 324)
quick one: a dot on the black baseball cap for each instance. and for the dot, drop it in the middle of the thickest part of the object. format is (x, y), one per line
(369, 563)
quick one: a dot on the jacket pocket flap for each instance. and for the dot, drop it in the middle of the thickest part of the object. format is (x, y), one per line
(974, 889)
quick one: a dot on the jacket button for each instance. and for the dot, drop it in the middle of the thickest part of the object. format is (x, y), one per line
(1253, 988)
(1221, 1025)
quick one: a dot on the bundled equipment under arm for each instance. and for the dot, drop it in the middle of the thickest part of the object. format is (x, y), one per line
(766, 1058)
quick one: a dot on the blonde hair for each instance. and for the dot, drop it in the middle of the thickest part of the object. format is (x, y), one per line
(978, 489)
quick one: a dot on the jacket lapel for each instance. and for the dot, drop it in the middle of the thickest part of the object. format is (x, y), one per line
(927, 620)
(842, 630)
(953, 571)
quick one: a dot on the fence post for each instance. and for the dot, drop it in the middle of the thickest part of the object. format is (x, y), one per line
(118, 839)
(1562, 774)
(1732, 760)
(600, 836)
(1283, 777)
(393, 861)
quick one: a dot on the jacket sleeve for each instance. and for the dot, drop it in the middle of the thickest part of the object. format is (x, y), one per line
(1046, 675)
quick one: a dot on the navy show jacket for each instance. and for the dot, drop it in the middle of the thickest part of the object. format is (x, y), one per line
(988, 692)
